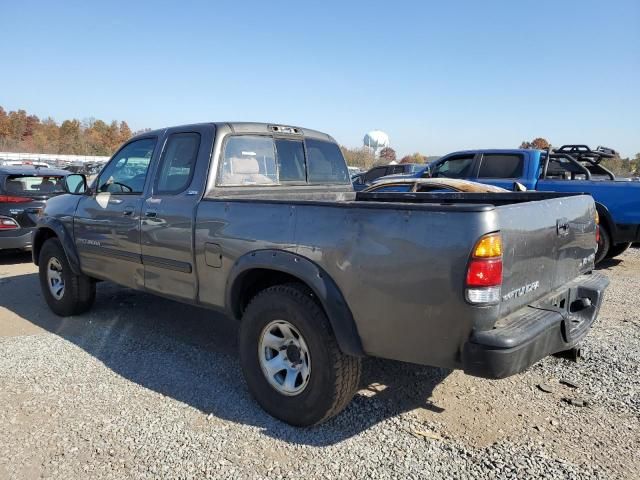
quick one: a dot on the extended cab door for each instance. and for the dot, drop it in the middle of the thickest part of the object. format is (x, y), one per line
(502, 170)
(168, 212)
(107, 222)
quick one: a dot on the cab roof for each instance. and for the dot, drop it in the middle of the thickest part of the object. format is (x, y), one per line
(251, 127)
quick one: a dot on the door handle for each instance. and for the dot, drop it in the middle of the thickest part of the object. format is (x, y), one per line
(151, 213)
(128, 211)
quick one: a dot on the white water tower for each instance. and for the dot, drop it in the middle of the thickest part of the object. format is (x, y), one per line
(376, 140)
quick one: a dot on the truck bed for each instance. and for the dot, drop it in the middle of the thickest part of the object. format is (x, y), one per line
(400, 259)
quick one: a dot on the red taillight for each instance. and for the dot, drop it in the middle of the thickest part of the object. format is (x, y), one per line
(7, 223)
(14, 199)
(484, 273)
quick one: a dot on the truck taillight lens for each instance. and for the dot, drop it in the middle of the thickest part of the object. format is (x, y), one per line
(14, 199)
(7, 223)
(597, 216)
(484, 273)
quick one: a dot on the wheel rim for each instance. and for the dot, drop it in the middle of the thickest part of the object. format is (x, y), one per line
(54, 278)
(284, 357)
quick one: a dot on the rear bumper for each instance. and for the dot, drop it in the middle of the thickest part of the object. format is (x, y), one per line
(555, 323)
(16, 239)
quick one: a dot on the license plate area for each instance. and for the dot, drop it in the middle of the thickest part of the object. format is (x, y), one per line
(577, 306)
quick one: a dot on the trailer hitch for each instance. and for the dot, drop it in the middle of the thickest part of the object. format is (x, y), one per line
(573, 354)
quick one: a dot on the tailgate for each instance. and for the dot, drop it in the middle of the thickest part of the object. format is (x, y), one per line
(547, 244)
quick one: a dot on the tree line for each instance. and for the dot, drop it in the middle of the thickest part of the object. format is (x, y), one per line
(22, 132)
(364, 157)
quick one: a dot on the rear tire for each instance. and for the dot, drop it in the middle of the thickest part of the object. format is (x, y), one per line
(603, 245)
(332, 377)
(65, 292)
(617, 249)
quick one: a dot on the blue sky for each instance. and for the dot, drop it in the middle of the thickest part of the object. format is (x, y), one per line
(436, 76)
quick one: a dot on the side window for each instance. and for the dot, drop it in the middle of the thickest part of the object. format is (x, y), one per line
(375, 173)
(397, 169)
(501, 166)
(127, 171)
(249, 160)
(325, 162)
(454, 167)
(291, 166)
(177, 163)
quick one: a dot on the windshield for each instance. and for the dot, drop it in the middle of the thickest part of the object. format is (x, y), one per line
(34, 184)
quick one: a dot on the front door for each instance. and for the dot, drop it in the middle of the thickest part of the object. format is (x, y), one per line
(107, 222)
(168, 213)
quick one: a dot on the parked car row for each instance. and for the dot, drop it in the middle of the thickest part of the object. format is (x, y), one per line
(570, 168)
(261, 221)
(24, 191)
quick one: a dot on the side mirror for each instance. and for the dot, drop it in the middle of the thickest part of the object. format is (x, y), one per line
(518, 187)
(427, 172)
(76, 184)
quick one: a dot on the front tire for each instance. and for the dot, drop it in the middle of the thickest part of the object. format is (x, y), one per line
(65, 292)
(291, 359)
(603, 245)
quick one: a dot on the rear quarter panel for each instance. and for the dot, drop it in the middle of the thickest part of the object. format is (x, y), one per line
(400, 270)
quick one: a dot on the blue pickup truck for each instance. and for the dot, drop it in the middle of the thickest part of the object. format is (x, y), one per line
(570, 168)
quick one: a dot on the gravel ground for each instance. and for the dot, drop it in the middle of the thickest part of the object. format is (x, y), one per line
(143, 387)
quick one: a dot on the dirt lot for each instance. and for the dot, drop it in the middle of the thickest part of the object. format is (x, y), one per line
(145, 387)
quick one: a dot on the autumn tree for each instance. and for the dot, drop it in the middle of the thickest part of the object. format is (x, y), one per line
(388, 155)
(415, 158)
(538, 143)
(358, 157)
(70, 136)
(21, 132)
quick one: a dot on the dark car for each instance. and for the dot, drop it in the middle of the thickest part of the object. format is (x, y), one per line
(363, 180)
(23, 193)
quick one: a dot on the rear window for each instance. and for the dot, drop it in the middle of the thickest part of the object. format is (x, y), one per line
(325, 162)
(34, 184)
(263, 160)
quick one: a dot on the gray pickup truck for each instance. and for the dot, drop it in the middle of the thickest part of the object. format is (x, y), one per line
(261, 222)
